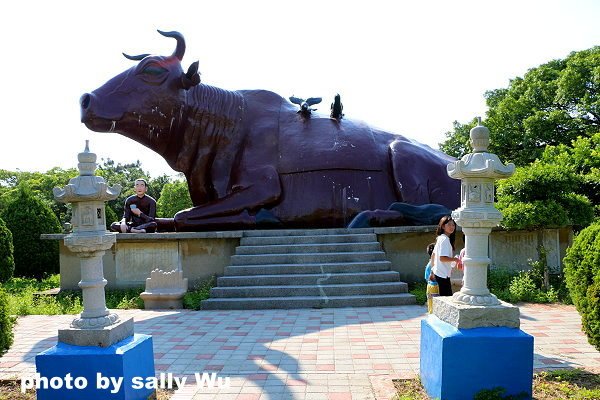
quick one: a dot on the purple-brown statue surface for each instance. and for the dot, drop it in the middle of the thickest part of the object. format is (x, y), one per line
(249, 153)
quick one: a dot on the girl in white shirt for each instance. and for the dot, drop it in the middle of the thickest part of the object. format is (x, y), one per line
(444, 255)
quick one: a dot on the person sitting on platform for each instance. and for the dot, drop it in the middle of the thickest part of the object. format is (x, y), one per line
(139, 213)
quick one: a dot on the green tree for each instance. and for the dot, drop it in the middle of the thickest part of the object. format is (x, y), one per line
(156, 185)
(583, 159)
(7, 261)
(28, 217)
(41, 184)
(124, 175)
(543, 195)
(175, 197)
(552, 104)
(457, 142)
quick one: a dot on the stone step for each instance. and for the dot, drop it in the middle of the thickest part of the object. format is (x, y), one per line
(255, 303)
(364, 289)
(308, 268)
(306, 232)
(307, 258)
(308, 279)
(309, 248)
(318, 239)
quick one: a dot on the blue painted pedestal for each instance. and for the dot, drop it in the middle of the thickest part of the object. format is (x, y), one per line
(458, 363)
(129, 358)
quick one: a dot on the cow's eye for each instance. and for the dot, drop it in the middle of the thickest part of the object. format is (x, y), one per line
(153, 70)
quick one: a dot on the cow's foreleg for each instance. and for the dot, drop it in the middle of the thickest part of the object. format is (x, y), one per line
(259, 189)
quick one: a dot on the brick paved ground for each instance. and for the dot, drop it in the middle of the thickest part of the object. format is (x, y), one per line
(351, 353)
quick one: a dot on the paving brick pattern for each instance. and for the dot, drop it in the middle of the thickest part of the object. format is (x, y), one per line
(350, 353)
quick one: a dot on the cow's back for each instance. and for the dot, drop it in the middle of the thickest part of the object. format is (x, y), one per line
(330, 170)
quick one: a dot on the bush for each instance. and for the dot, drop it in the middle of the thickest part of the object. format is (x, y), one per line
(537, 214)
(515, 286)
(193, 298)
(583, 279)
(7, 261)
(174, 197)
(419, 290)
(522, 288)
(539, 181)
(124, 299)
(6, 323)
(499, 281)
(543, 195)
(28, 217)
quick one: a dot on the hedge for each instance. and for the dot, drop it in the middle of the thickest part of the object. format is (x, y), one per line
(28, 217)
(583, 279)
(7, 260)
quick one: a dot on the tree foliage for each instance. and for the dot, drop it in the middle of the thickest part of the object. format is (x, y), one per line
(125, 175)
(6, 322)
(175, 197)
(543, 195)
(583, 279)
(583, 159)
(7, 260)
(27, 217)
(457, 142)
(41, 185)
(552, 104)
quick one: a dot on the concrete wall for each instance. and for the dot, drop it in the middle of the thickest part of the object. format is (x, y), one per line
(405, 248)
(129, 262)
(203, 254)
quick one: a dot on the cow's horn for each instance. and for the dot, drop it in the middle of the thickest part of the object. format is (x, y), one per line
(180, 49)
(136, 58)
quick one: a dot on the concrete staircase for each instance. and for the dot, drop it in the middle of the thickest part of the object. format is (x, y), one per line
(308, 269)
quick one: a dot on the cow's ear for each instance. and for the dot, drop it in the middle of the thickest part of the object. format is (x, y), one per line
(191, 77)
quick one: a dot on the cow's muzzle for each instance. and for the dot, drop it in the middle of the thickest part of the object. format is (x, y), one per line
(90, 117)
(85, 101)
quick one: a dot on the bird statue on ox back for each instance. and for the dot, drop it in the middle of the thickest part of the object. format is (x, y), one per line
(250, 158)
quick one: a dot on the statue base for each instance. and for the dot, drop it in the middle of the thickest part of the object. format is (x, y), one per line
(463, 316)
(102, 337)
(98, 373)
(456, 363)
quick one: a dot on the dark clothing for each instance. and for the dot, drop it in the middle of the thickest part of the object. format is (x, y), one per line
(147, 205)
(445, 286)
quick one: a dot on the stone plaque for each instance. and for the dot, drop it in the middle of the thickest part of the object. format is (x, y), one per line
(513, 248)
(135, 260)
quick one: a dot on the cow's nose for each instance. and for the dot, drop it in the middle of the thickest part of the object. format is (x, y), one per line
(85, 100)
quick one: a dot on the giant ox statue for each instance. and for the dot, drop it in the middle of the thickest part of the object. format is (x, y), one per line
(249, 156)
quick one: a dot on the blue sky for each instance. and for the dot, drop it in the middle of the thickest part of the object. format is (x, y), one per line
(408, 67)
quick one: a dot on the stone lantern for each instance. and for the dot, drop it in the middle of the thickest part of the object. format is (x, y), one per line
(477, 214)
(472, 341)
(89, 240)
(98, 343)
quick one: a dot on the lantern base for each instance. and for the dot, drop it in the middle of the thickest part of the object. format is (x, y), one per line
(463, 316)
(456, 364)
(110, 373)
(102, 337)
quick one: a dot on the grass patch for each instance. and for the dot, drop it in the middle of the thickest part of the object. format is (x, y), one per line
(419, 290)
(551, 385)
(24, 297)
(25, 300)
